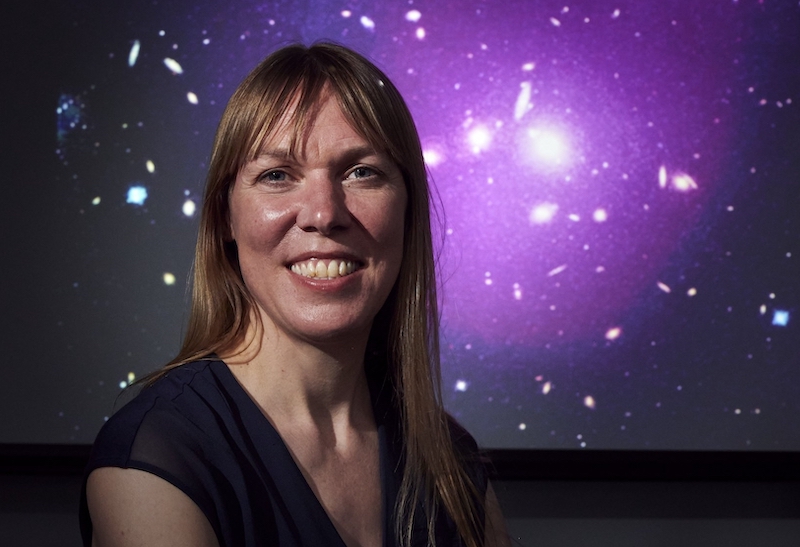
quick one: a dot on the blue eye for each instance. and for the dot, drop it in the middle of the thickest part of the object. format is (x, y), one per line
(273, 176)
(362, 172)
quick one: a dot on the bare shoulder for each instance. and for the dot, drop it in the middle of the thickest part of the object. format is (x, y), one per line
(132, 508)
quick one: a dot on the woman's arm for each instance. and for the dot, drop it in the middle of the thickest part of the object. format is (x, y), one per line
(133, 508)
(496, 533)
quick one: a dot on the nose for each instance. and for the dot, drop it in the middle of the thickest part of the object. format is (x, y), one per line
(324, 207)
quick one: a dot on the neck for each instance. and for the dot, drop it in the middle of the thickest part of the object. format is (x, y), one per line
(298, 382)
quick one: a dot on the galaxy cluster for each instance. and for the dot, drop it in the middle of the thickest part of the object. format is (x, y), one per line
(617, 187)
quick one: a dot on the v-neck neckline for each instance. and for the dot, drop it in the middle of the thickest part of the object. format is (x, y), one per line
(271, 447)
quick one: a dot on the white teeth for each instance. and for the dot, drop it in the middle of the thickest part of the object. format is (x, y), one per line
(333, 269)
(319, 269)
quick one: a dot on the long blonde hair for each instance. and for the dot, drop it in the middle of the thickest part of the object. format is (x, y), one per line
(405, 332)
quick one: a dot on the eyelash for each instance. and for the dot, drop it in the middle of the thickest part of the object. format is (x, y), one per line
(265, 177)
(370, 173)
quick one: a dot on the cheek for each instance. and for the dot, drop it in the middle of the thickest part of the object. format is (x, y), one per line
(387, 223)
(392, 233)
(253, 223)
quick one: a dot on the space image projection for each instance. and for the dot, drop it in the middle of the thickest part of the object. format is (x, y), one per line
(617, 196)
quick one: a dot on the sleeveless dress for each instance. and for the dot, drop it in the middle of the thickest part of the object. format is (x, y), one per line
(198, 429)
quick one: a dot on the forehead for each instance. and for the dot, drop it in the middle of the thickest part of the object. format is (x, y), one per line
(323, 123)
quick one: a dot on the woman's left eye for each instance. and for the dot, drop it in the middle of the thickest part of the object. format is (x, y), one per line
(361, 173)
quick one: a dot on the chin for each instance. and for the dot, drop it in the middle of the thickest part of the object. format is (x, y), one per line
(344, 333)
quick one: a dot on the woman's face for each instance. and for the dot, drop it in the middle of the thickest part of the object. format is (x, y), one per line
(319, 233)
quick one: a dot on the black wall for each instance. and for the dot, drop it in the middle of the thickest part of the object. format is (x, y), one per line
(40, 510)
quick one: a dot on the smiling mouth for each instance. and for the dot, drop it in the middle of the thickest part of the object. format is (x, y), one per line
(324, 269)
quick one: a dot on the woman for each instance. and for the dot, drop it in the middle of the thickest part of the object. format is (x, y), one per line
(304, 406)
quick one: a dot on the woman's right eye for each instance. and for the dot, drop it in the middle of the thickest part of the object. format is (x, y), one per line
(273, 176)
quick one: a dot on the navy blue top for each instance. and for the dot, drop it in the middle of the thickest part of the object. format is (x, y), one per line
(198, 429)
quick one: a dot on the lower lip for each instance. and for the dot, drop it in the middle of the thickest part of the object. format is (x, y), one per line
(325, 285)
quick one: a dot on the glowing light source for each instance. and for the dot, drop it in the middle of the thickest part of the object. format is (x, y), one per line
(600, 215)
(96, 200)
(192, 98)
(367, 23)
(662, 177)
(151, 167)
(589, 402)
(413, 16)
(546, 387)
(547, 145)
(137, 195)
(479, 139)
(679, 181)
(189, 208)
(683, 182)
(613, 333)
(780, 318)
(523, 103)
(173, 65)
(169, 278)
(432, 157)
(134, 54)
(420, 33)
(543, 213)
(664, 287)
(461, 385)
(557, 270)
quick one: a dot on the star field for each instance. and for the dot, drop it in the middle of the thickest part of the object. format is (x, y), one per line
(617, 188)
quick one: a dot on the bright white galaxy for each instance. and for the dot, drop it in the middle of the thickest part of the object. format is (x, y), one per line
(173, 65)
(367, 23)
(137, 195)
(189, 208)
(780, 318)
(543, 213)
(479, 139)
(413, 15)
(134, 53)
